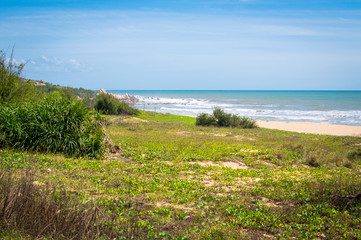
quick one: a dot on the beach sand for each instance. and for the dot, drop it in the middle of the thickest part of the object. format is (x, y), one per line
(316, 128)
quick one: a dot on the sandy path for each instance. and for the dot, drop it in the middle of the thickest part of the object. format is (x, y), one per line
(317, 128)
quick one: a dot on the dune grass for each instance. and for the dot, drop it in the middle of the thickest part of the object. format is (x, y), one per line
(170, 179)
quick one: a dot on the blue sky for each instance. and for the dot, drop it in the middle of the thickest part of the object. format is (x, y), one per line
(184, 44)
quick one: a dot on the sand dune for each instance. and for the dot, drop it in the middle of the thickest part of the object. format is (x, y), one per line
(316, 128)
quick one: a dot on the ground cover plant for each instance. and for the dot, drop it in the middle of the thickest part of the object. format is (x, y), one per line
(171, 179)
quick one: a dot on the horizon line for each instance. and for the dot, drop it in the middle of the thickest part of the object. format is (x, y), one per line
(289, 90)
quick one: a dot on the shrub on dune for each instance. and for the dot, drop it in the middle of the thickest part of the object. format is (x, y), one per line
(55, 124)
(222, 119)
(109, 105)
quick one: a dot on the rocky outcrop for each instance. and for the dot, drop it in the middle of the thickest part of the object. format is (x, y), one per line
(126, 98)
(102, 91)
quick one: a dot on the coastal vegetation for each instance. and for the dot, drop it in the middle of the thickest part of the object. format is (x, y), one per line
(222, 119)
(167, 176)
(171, 179)
(35, 121)
(109, 105)
(55, 124)
(14, 89)
(85, 95)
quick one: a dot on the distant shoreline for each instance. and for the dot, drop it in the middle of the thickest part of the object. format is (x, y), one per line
(329, 107)
(313, 128)
(293, 126)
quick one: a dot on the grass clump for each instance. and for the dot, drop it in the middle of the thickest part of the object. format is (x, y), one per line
(109, 105)
(222, 119)
(56, 124)
(48, 213)
(355, 155)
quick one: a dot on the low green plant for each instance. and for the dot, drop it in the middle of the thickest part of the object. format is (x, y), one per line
(354, 155)
(109, 105)
(223, 119)
(56, 124)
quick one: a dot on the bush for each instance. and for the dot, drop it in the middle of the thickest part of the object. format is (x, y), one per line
(223, 119)
(56, 124)
(109, 105)
(13, 88)
(205, 119)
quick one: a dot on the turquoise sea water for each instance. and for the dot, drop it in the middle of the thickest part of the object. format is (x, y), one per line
(332, 107)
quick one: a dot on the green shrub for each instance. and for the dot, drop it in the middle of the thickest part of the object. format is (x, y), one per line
(223, 119)
(13, 88)
(56, 124)
(205, 119)
(247, 123)
(109, 105)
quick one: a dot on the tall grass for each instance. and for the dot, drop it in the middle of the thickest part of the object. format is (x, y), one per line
(48, 212)
(55, 124)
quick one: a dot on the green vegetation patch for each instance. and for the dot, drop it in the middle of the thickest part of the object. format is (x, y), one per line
(56, 124)
(14, 89)
(109, 105)
(222, 119)
(175, 180)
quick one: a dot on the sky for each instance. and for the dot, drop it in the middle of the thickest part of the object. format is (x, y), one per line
(186, 44)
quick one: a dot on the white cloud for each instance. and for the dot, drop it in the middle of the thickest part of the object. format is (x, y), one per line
(54, 64)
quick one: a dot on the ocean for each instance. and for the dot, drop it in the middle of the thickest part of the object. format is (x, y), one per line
(331, 107)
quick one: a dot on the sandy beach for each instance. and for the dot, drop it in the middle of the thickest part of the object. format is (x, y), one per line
(315, 128)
